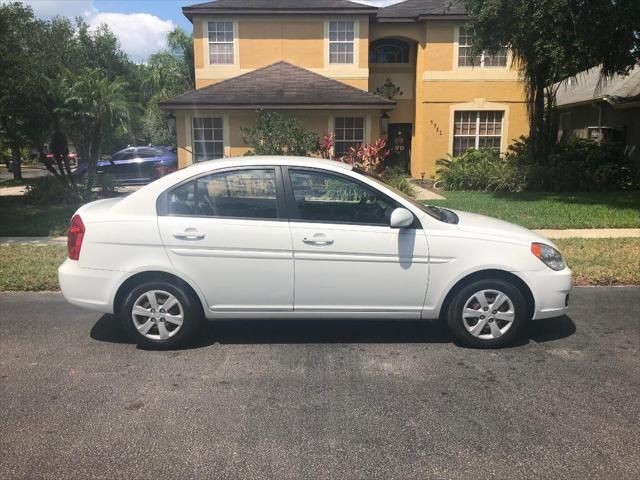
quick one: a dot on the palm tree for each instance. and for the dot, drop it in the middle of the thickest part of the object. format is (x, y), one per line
(95, 103)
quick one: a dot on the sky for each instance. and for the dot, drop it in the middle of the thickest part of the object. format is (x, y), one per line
(140, 25)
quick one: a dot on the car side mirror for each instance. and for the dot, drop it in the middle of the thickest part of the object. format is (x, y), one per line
(401, 218)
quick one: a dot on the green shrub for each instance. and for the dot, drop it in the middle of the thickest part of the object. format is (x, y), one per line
(397, 179)
(106, 183)
(50, 190)
(277, 134)
(575, 166)
(481, 170)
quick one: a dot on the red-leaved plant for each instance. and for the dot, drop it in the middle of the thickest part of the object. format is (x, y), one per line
(368, 157)
(326, 145)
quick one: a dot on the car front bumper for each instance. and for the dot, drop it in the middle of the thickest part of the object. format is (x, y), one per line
(550, 291)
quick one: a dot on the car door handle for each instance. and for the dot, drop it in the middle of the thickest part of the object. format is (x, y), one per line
(189, 234)
(317, 240)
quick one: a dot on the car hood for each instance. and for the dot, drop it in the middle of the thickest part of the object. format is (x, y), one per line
(483, 225)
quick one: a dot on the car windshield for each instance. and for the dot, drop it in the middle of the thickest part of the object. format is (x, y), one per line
(441, 214)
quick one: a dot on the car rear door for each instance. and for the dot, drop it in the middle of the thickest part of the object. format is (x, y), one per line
(227, 231)
(347, 257)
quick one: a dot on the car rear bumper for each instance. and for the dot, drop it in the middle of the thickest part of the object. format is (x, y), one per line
(550, 291)
(86, 287)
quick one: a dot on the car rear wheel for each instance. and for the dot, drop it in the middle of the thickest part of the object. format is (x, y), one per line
(160, 315)
(487, 314)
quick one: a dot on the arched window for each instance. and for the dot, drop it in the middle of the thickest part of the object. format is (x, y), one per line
(389, 50)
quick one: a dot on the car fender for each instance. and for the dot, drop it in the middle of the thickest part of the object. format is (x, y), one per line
(161, 269)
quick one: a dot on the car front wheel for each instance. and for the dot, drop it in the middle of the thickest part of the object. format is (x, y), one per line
(487, 314)
(160, 315)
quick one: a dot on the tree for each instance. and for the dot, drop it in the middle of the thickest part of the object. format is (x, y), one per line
(38, 62)
(181, 46)
(277, 134)
(552, 40)
(169, 72)
(95, 104)
(16, 76)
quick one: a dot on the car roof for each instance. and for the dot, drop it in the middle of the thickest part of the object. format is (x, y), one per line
(143, 201)
(268, 160)
(132, 148)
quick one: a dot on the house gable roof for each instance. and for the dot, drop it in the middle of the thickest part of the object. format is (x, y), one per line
(278, 86)
(413, 10)
(585, 88)
(280, 7)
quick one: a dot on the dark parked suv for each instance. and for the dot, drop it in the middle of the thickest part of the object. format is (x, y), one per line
(137, 165)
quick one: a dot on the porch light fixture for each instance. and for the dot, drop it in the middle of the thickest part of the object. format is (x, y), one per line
(384, 123)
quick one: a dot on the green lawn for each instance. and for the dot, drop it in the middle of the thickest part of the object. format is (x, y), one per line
(602, 261)
(30, 267)
(552, 210)
(593, 261)
(18, 219)
(16, 183)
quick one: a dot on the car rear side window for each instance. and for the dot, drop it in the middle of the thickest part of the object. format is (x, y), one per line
(321, 197)
(148, 153)
(247, 193)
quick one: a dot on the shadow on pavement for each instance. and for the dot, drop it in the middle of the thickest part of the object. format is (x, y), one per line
(108, 329)
(541, 331)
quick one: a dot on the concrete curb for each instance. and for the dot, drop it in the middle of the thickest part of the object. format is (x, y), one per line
(591, 233)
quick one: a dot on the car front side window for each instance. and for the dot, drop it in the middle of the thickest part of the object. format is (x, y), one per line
(247, 193)
(329, 198)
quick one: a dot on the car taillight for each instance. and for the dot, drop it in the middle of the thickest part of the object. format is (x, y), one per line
(75, 235)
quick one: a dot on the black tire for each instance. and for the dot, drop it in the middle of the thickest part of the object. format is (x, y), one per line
(191, 313)
(456, 323)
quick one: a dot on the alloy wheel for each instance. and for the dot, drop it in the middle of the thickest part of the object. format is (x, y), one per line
(488, 314)
(158, 315)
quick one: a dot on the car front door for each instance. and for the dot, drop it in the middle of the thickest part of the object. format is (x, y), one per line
(347, 258)
(119, 164)
(227, 231)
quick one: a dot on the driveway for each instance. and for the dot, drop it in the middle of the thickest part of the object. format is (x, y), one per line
(320, 399)
(27, 172)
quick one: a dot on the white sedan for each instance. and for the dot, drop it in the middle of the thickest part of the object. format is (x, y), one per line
(288, 237)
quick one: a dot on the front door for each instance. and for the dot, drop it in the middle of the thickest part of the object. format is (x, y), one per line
(399, 142)
(347, 258)
(227, 232)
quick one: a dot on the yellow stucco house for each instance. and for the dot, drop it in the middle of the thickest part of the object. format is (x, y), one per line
(403, 72)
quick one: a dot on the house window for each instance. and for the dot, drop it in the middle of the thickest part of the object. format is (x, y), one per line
(485, 59)
(220, 43)
(348, 132)
(476, 130)
(389, 50)
(208, 142)
(341, 41)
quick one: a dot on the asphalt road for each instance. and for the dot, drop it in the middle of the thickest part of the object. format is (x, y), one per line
(320, 399)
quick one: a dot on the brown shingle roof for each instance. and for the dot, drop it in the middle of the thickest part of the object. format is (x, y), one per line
(277, 7)
(416, 9)
(278, 86)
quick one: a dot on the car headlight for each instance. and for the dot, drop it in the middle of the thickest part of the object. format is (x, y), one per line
(548, 255)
